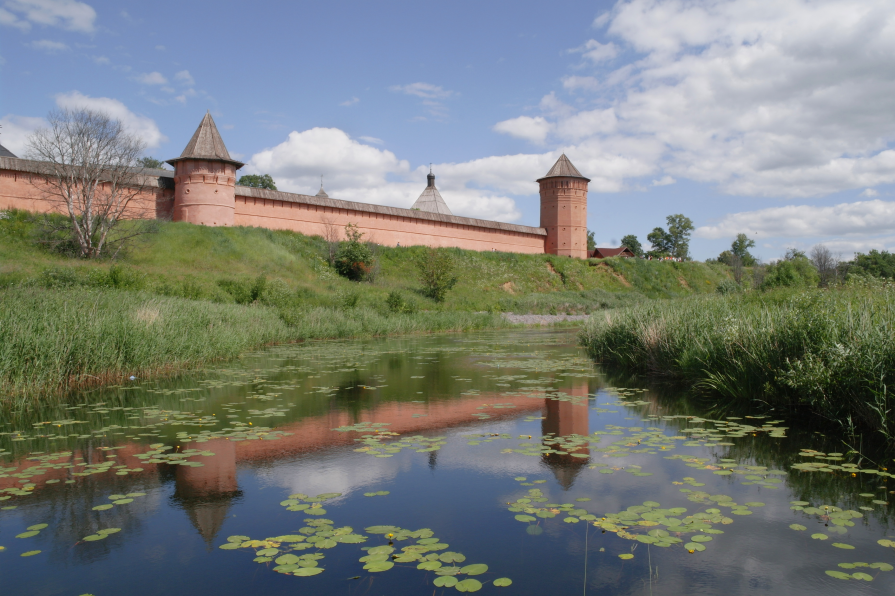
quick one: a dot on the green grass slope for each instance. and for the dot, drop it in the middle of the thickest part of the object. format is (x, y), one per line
(223, 265)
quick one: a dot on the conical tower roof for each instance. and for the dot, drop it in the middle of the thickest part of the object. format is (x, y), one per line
(207, 144)
(4, 152)
(321, 194)
(430, 200)
(563, 168)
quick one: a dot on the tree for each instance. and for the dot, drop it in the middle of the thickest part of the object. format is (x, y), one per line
(331, 236)
(826, 263)
(257, 181)
(793, 271)
(591, 243)
(740, 248)
(633, 243)
(876, 263)
(436, 268)
(151, 163)
(354, 259)
(89, 168)
(679, 230)
(660, 241)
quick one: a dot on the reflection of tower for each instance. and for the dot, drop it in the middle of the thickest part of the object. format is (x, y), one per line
(564, 418)
(205, 492)
(433, 459)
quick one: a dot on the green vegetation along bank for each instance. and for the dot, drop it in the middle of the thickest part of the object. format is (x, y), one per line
(830, 351)
(186, 294)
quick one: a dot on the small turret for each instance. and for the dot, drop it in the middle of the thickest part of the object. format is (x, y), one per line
(430, 200)
(564, 209)
(205, 179)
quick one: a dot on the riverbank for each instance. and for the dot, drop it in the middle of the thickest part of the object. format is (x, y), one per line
(832, 352)
(53, 341)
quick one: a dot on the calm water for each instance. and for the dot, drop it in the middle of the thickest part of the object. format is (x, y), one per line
(140, 486)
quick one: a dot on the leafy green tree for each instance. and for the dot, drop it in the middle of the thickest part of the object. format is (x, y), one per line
(437, 273)
(740, 248)
(633, 243)
(660, 241)
(793, 272)
(354, 259)
(876, 263)
(679, 230)
(257, 181)
(591, 243)
(152, 163)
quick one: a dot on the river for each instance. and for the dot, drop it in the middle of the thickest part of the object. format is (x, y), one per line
(500, 462)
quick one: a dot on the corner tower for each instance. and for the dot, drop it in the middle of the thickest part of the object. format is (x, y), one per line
(564, 209)
(205, 179)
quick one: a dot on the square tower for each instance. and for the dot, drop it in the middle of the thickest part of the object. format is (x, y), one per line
(564, 209)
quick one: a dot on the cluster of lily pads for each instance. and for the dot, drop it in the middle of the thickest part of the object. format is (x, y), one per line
(428, 552)
(158, 455)
(30, 532)
(382, 443)
(119, 500)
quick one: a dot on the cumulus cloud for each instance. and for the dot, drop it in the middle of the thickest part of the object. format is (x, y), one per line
(151, 78)
(65, 14)
(143, 127)
(664, 181)
(424, 90)
(869, 192)
(50, 47)
(349, 102)
(791, 99)
(356, 171)
(525, 127)
(184, 77)
(16, 130)
(862, 218)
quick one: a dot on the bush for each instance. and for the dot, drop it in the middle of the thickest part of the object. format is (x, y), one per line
(244, 291)
(728, 286)
(436, 269)
(354, 259)
(791, 273)
(397, 304)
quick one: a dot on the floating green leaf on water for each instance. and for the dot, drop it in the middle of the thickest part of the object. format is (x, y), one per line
(475, 569)
(694, 547)
(843, 545)
(626, 556)
(820, 536)
(503, 581)
(27, 534)
(30, 553)
(798, 527)
(838, 574)
(307, 571)
(469, 585)
(445, 581)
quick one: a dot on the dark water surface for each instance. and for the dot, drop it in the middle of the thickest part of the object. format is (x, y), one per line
(508, 451)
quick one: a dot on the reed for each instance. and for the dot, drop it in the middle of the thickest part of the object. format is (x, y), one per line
(832, 352)
(52, 341)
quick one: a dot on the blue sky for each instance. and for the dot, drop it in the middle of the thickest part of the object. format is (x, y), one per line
(773, 119)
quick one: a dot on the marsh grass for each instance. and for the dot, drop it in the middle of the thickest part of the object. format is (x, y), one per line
(830, 351)
(52, 341)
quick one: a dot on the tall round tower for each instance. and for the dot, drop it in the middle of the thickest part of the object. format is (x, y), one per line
(564, 209)
(205, 179)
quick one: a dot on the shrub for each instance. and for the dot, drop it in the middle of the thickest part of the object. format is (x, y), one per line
(396, 303)
(790, 273)
(436, 269)
(354, 259)
(728, 286)
(244, 291)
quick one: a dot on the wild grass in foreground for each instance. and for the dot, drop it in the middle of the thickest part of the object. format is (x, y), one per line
(52, 341)
(832, 351)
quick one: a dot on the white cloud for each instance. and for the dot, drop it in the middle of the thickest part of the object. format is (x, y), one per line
(151, 78)
(143, 127)
(525, 127)
(184, 77)
(664, 181)
(862, 218)
(574, 83)
(16, 130)
(424, 90)
(869, 192)
(65, 14)
(372, 140)
(100, 59)
(790, 99)
(355, 171)
(350, 102)
(597, 52)
(50, 47)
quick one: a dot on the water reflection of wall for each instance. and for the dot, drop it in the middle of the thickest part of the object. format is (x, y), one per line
(561, 419)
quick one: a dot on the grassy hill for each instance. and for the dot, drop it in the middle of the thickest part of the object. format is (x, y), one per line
(224, 265)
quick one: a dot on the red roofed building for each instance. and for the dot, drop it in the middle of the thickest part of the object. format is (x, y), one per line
(605, 253)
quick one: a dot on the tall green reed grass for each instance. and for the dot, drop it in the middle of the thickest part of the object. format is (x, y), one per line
(55, 340)
(830, 351)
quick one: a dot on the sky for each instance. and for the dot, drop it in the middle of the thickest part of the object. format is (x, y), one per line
(774, 119)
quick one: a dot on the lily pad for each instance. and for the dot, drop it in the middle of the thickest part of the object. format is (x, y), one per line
(307, 571)
(838, 574)
(820, 536)
(446, 581)
(30, 553)
(626, 556)
(503, 581)
(475, 569)
(27, 534)
(526, 518)
(469, 585)
(843, 545)
(37, 527)
(379, 566)
(798, 527)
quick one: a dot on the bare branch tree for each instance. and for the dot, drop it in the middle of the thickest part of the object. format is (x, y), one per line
(736, 267)
(89, 168)
(331, 236)
(826, 263)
